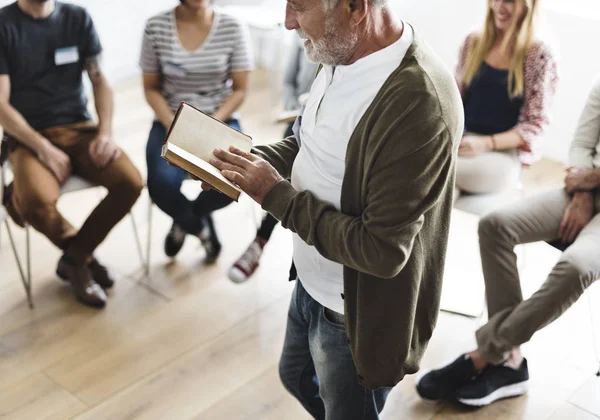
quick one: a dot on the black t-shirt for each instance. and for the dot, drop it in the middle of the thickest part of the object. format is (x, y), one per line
(45, 59)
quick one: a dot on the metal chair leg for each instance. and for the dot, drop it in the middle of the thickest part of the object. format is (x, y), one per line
(25, 277)
(594, 337)
(138, 243)
(149, 239)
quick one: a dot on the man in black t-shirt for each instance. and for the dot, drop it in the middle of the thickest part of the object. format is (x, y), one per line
(45, 46)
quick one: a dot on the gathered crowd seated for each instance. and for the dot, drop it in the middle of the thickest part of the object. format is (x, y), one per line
(196, 53)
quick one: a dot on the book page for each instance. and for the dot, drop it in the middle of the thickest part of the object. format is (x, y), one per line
(201, 164)
(200, 134)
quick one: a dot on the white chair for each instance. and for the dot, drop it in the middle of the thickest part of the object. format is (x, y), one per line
(73, 184)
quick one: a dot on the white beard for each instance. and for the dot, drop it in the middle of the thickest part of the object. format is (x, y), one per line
(333, 48)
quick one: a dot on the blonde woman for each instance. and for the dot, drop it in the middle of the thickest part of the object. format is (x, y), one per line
(507, 78)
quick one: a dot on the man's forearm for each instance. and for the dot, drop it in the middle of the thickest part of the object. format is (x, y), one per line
(15, 124)
(103, 98)
(596, 177)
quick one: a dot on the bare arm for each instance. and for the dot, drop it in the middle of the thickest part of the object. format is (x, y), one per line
(156, 100)
(103, 150)
(103, 95)
(14, 123)
(508, 140)
(235, 100)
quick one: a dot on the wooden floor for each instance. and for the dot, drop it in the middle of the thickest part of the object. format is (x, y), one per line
(188, 343)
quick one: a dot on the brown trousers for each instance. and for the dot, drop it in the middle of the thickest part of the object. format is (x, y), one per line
(36, 190)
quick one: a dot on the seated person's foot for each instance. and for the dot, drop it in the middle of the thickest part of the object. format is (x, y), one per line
(247, 264)
(174, 240)
(210, 241)
(495, 383)
(100, 273)
(86, 290)
(441, 384)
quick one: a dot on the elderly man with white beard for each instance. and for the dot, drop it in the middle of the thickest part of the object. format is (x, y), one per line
(365, 184)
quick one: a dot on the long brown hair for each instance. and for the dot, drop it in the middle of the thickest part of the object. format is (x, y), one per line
(517, 41)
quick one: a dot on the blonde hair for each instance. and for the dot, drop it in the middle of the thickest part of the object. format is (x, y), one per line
(518, 39)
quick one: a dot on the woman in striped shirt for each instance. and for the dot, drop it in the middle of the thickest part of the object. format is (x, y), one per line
(196, 54)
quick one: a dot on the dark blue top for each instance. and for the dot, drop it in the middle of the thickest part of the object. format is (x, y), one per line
(44, 59)
(488, 107)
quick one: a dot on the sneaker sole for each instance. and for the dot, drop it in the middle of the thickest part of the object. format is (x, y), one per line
(64, 278)
(237, 276)
(508, 391)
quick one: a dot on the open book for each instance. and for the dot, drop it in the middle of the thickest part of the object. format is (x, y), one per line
(190, 143)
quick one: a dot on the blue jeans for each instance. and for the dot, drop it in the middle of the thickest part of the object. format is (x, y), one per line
(164, 185)
(316, 345)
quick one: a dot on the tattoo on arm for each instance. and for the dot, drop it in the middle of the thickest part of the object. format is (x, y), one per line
(92, 66)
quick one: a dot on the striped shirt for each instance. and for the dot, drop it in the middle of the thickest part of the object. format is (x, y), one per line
(202, 77)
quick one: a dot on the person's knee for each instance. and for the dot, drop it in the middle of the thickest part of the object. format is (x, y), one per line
(129, 188)
(34, 209)
(492, 225)
(579, 271)
(162, 188)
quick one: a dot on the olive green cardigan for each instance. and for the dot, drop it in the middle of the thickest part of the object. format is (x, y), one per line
(392, 230)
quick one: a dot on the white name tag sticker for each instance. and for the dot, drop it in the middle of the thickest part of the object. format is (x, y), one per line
(174, 70)
(68, 55)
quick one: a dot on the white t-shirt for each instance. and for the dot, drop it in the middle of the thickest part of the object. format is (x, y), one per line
(337, 101)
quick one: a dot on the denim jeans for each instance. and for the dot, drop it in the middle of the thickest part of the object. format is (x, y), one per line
(164, 184)
(316, 365)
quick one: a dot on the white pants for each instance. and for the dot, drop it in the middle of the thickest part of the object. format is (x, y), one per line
(490, 172)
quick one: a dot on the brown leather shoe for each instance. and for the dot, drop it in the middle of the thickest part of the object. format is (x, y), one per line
(101, 275)
(86, 290)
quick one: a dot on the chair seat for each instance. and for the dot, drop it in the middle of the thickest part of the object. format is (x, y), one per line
(75, 183)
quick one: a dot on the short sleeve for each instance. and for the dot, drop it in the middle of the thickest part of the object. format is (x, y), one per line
(4, 69)
(91, 46)
(149, 62)
(241, 57)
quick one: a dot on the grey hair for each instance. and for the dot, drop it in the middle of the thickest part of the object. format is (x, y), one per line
(330, 4)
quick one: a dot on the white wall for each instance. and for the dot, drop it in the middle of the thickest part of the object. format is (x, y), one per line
(442, 23)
